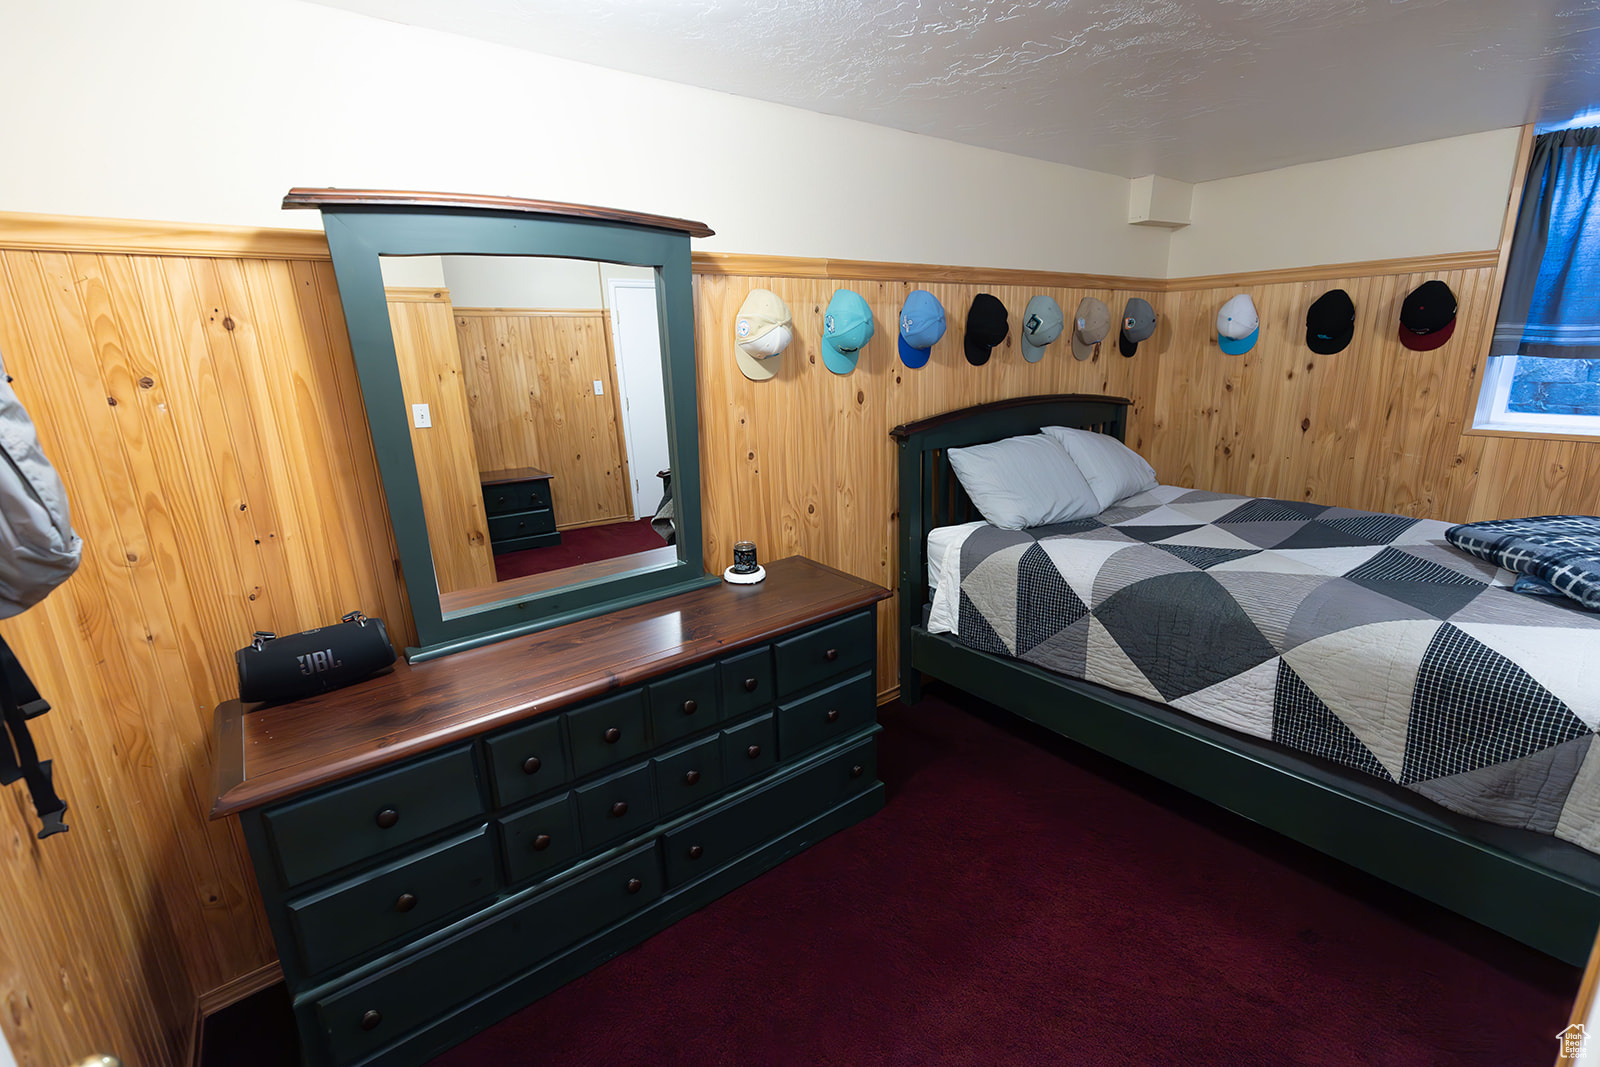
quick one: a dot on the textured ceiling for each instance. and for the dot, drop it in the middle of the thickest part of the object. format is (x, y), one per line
(1190, 89)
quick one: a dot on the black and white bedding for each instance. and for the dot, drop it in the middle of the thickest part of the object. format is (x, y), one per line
(1362, 638)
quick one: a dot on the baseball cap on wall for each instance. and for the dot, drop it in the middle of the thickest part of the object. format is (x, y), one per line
(987, 326)
(761, 333)
(1238, 325)
(1330, 322)
(1428, 316)
(921, 326)
(1089, 326)
(1138, 323)
(1041, 325)
(846, 328)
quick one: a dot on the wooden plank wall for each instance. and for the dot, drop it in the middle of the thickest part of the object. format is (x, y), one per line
(803, 463)
(1376, 426)
(205, 416)
(424, 330)
(530, 383)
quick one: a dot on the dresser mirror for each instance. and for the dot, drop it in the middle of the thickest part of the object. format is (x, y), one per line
(528, 374)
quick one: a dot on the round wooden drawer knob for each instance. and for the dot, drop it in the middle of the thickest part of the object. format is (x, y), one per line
(613, 735)
(833, 715)
(619, 809)
(531, 765)
(387, 818)
(499, 500)
(406, 902)
(690, 707)
(691, 778)
(634, 885)
(371, 1019)
(831, 655)
(857, 771)
(541, 842)
(695, 852)
(753, 752)
(750, 685)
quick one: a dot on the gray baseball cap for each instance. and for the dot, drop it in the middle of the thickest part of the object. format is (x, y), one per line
(1138, 323)
(1041, 325)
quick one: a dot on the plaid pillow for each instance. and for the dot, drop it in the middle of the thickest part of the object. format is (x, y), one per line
(1563, 550)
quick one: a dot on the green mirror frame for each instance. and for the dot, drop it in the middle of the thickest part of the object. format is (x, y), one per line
(361, 225)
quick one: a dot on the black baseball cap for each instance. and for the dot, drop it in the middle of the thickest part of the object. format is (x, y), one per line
(1428, 316)
(987, 326)
(1330, 322)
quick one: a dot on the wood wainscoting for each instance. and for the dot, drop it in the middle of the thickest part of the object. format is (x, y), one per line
(530, 384)
(200, 400)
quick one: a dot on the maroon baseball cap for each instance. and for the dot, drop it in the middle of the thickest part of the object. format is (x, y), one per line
(1428, 316)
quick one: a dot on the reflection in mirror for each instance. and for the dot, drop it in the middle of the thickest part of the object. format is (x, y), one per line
(534, 392)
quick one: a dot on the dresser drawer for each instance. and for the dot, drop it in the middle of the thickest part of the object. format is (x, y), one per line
(516, 496)
(825, 652)
(539, 841)
(749, 750)
(707, 843)
(347, 919)
(616, 807)
(683, 704)
(360, 1019)
(826, 716)
(689, 775)
(526, 761)
(521, 524)
(341, 826)
(607, 732)
(746, 681)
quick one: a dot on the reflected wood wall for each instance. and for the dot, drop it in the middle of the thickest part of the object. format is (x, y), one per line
(424, 330)
(530, 385)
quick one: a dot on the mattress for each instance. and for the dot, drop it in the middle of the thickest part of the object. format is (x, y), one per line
(1354, 636)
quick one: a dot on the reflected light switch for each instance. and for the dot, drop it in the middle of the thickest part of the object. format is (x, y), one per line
(420, 417)
(599, 388)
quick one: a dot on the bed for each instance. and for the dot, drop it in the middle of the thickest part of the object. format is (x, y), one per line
(1386, 815)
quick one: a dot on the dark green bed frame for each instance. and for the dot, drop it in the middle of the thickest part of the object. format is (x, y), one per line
(1537, 889)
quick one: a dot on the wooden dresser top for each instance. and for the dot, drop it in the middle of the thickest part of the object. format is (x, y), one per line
(275, 752)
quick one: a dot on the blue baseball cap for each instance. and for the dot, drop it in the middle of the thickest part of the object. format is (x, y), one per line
(846, 329)
(921, 326)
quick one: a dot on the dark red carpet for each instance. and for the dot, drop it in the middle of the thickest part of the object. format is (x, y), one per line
(587, 544)
(1023, 901)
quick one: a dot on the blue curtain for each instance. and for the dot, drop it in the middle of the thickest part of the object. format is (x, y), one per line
(1550, 306)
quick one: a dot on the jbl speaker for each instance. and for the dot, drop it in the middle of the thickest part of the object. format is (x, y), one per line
(274, 669)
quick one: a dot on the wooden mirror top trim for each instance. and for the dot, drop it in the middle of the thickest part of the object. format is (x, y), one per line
(303, 197)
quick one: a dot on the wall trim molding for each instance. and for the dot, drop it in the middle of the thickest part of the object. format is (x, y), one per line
(731, 264)
(73, 233)
(225, 995)
(734, 263)
(1445, 261)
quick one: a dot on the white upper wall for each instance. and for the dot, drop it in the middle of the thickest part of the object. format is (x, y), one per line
(1418, 200)
(206, 111)
(522, 282)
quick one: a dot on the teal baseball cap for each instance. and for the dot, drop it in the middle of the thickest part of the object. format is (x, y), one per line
(921, 326)
(846, 328)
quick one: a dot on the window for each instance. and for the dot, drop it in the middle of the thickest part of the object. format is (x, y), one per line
(1543, 372)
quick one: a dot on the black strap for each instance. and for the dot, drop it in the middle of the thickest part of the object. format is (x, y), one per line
(18, 756)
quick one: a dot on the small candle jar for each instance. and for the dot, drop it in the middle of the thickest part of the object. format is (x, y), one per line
(744, 557)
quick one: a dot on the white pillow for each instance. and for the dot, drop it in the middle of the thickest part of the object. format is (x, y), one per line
(1023, 481)
(1114, 470)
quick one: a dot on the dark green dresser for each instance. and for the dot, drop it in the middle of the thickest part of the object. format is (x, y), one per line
(519, 510)
(442, 845)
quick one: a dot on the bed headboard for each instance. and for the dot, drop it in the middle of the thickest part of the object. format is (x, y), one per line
(930, 495)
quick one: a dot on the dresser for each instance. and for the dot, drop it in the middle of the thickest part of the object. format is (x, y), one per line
(517, 504)
(441, 845)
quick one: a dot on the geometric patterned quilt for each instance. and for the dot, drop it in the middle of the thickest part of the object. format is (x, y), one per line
(1357, 637)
